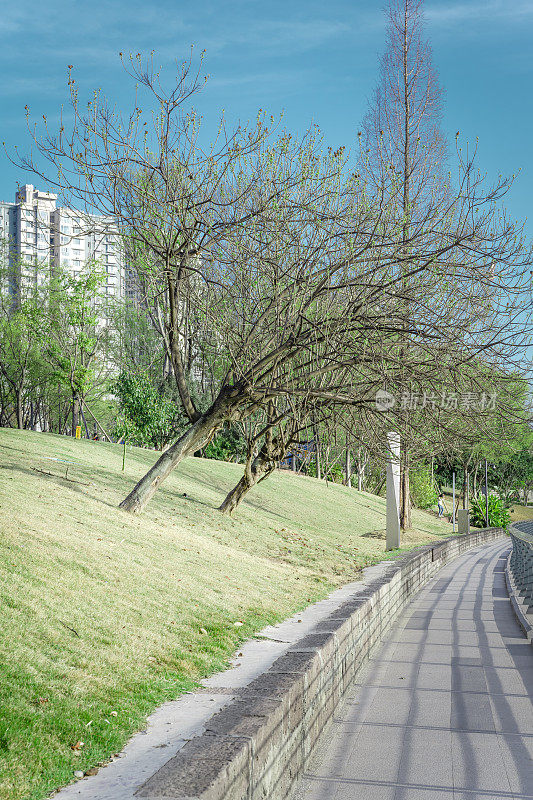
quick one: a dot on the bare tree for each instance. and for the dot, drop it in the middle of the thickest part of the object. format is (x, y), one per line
(403, 147)
(76, 339)
(278, 428)
(184, 211)
(285, 271)
(268, 439)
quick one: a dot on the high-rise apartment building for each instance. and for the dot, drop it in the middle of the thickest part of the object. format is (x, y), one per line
(7, 234)
(38, 238)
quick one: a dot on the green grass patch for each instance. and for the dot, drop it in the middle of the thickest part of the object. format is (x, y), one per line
(102, 611)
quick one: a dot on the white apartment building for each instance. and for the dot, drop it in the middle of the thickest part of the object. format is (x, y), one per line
(40, 237)
(7, 235)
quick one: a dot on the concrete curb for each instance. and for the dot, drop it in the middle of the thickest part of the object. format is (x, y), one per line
(258, 746)
(178, 721)
(525, 619)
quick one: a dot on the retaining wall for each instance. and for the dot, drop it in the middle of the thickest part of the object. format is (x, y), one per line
(520, 605)
(257, 747)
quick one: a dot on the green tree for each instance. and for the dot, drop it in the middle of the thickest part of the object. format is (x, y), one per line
(423, 492)
(147, 418)
(77, 335)
(523, 463)
(23, 367)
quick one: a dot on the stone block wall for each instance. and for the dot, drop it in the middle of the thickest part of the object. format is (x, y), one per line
(257, 747)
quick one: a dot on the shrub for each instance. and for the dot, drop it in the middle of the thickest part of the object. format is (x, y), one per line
(335, 472)
(422, 488)
(228, 445)
(499, 516)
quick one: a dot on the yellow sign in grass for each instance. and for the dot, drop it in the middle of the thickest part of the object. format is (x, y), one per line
(78, 431)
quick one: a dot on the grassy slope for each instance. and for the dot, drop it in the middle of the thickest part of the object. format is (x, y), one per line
(521, 513)
(102, 611)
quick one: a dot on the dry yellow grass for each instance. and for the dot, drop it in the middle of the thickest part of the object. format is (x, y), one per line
(521, 513)
(102, 611)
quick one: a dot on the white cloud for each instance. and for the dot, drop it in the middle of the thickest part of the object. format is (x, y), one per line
(294, 36)
(22, 86)
(288, 79)
(13, 19)
(489, 11)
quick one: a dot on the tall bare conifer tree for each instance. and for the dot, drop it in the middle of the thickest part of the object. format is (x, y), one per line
(403, 148)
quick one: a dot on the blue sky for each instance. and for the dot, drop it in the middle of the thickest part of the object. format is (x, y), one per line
(317, 61)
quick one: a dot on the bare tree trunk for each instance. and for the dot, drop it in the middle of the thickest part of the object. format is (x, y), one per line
(195, 437)
(97, 423)
(199, 434)
(327, 465)
(175, 353)
(257, 473)
(167, 367)
(361, 463)
(20, 410)
(234, 497)
(466, 480)
(272, 451)
(380, 487)
(405, 497)
(405, 507)
(317, 454)
(348, 469)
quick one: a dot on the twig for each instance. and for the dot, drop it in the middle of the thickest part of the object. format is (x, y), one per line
(69, 628)
(63, 477)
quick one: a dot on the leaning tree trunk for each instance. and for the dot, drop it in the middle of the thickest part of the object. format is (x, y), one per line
(195, 437)
(251, 477)
(263, 465)
(234, 497)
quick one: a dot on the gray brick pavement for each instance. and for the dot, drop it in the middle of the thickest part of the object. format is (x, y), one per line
(443, 712)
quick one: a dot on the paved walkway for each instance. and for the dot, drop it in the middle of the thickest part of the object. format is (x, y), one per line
(444, 711)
